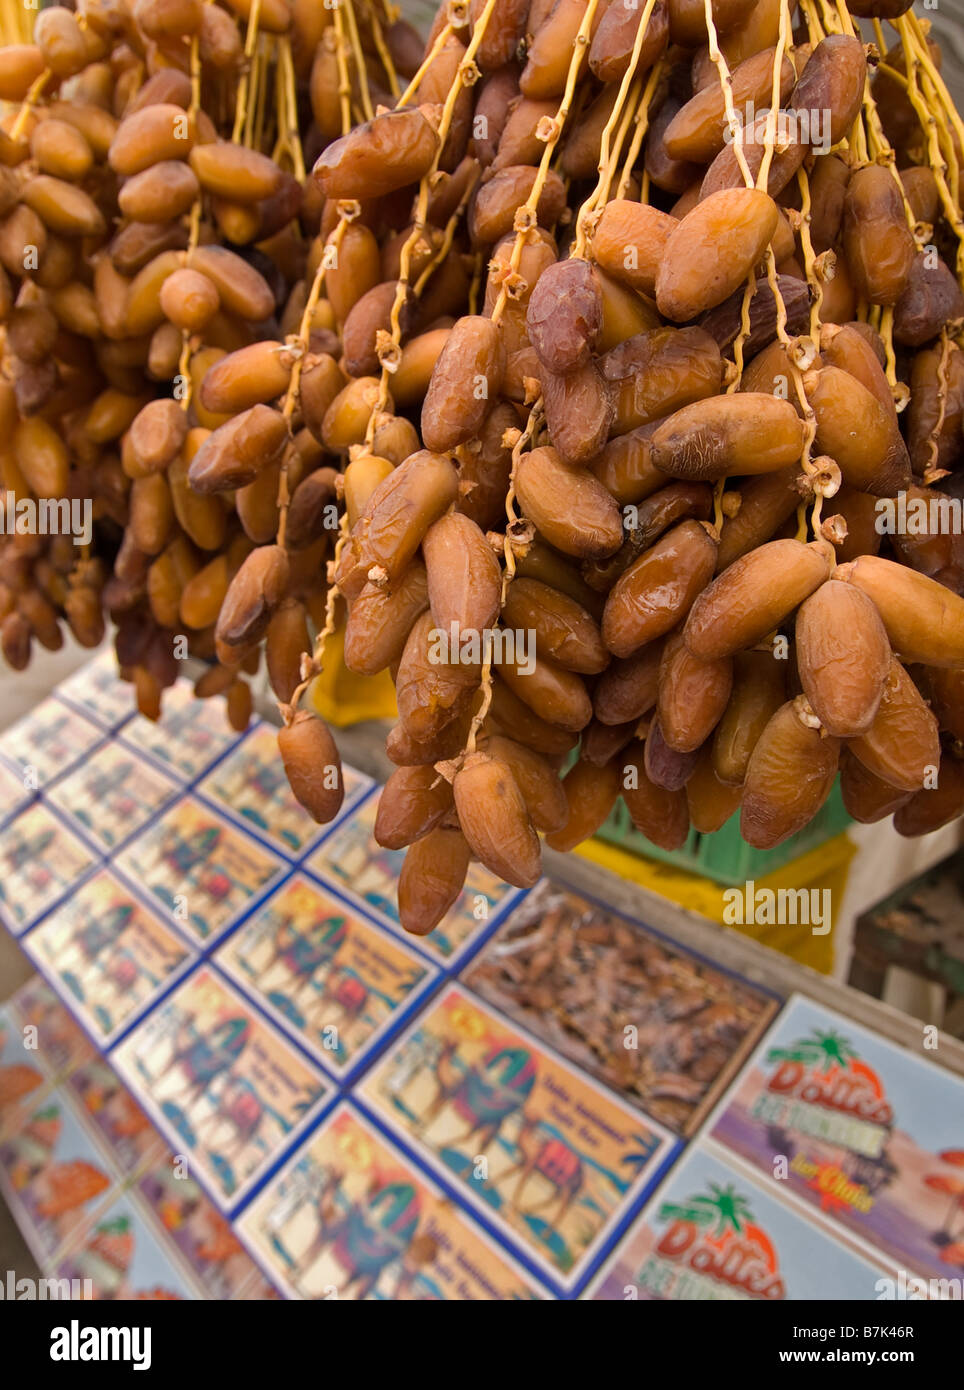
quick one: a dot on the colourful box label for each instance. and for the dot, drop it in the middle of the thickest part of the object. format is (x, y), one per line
(111, 955)
(864, 1132)
(50, 740)
(113, 795)
(547, 1153)
(98, 690)
(190, 735)
(199, 869)
(54, 1176)
(205, 1240)
(250, 784)
(123, 1259)
(115, 1115)
(225, 1088)
(354, 863)
(711, 1232)
(14, 794)
(348, 1217)
(327, 975)
(60, 1042)
(40, 861)
(23, 1076)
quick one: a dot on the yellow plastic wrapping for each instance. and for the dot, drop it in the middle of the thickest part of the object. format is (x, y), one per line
(826, 867)
(341, 697)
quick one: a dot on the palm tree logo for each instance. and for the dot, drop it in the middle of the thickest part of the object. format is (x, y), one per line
(726, 1209)
(822, 1050)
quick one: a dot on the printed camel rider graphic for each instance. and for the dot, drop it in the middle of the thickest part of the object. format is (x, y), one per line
(486, 1096)
(202, 1059)
(239, 1108)
(191, 855)
(98, 934)
(21, 854)
(184, 853)
(303, 950)
(369, 1237)
(102, 784)
(341, 999)
(96, 943)
(48, 738)
(120, 973)
(265, 780)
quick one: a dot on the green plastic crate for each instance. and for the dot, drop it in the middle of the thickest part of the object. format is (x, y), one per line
(724, 856)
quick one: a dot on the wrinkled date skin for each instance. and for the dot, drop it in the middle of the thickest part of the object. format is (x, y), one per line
(400, 511)
(467, 377)
(759, 689)
(754, 595)
(833, 81)
(564, 315)
(747, 432)
(655, 373)
(570, 507)
(789, 777)
(843, 657)
(878, 243)
(902, 744)
(713, 250)
(691, 695)
(430, 693)
(394, 149)
(659, 589)
(495, 821)
(564, 631)
(661, 815)
(380, 620)
(579, 411)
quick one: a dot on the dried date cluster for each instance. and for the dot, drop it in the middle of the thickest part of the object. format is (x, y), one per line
(576, 385)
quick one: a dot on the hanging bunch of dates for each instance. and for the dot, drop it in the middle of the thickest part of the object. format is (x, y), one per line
(593, 368)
